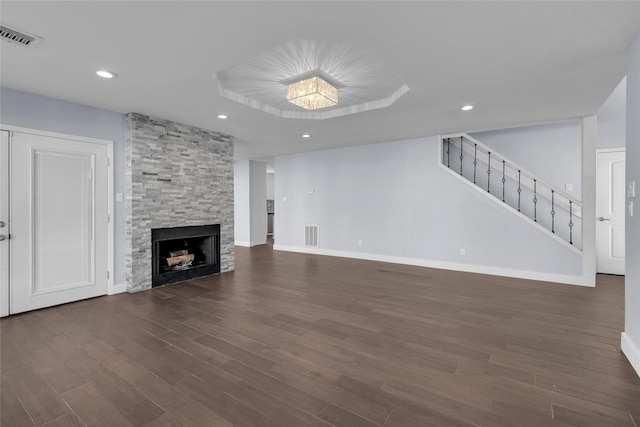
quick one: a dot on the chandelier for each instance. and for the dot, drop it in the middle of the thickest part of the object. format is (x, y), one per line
(312, 94)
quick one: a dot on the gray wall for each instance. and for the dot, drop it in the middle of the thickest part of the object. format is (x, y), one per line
(612, 118)
(550, 151)
(270, 183)
(394, 200)
(250, 189)
(53, 115)
(258, 203)
(242, 202)
(632, 229)
(177, 175)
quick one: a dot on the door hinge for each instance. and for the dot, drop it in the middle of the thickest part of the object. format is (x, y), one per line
(108, 274)
(108, 218)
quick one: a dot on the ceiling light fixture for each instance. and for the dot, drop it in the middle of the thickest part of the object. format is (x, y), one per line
(467, 108)
(106, 74)
(306, 135)
(312, 94)
(223, 116)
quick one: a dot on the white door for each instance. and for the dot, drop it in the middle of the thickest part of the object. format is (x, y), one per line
(59, 220)
(4, 223)
(610, 211)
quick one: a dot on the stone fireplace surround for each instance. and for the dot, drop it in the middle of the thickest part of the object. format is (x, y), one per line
(177, 175)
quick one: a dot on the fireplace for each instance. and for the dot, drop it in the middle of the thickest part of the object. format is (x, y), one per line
(183, 253)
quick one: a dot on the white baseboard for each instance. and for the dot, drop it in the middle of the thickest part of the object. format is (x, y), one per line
(248, 244)
(446, 265)
(118, 289)
(631, 350)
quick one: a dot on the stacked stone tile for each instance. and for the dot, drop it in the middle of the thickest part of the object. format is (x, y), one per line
(177, 175)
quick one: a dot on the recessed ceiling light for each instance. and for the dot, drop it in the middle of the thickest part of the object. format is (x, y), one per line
(467, 108)
(306, 135)
(223, 116)
(106, 74)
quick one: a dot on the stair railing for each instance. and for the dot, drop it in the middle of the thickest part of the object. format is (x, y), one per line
(515, 187)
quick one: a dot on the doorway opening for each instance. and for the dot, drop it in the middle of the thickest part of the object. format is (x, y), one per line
(610, 210)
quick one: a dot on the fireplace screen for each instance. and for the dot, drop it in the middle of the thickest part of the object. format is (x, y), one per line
(183, 253)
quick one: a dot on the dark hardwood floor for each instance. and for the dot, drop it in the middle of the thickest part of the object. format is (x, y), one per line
(300, 340)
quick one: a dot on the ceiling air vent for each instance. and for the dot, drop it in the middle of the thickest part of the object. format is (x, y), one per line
(19, 37)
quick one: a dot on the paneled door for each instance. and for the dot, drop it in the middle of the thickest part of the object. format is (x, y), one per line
(610, 211)
(58, 201)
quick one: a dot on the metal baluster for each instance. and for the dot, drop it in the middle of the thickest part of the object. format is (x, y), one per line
(570, 222)
(535, 200)
(553, 213)
(519, 190)
(503, 180)
(475, 161)
(489, 174)
(461, 151)
(448, 150)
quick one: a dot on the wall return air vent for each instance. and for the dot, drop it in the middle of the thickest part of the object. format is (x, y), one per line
(311, 235)
(18, 37)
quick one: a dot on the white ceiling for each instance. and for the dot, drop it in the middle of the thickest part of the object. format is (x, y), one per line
(518, 62)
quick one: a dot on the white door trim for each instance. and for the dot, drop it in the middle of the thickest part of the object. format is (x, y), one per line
(610, 150)
(6, 230)
(605, 151)
(110, 191)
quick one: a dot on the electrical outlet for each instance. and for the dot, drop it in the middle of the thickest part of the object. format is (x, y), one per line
(359, 242)
(631, 189)
(568, 187)
(463, 251)
(631, 209)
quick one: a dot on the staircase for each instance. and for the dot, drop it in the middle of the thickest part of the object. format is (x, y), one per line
(547, 207)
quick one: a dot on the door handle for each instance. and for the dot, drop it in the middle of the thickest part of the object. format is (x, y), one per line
(601, 218)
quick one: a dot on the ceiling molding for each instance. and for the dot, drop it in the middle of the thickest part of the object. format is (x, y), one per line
(365, 83)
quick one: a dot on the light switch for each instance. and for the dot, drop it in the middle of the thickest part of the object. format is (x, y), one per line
(631, 189)
(631, 209)
(118, 197)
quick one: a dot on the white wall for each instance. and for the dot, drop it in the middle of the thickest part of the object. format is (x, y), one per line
(550, 151)
(631, 337)
(397, 201)
(39, 112)
(250, 203)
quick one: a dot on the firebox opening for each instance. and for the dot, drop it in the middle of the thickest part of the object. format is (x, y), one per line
(183, 253)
